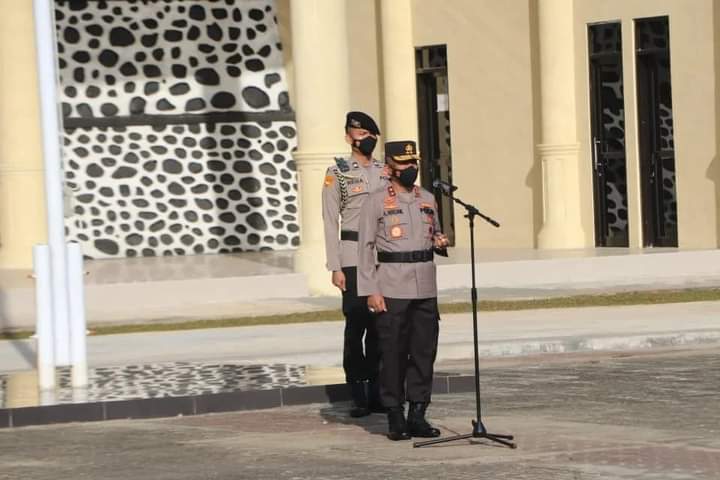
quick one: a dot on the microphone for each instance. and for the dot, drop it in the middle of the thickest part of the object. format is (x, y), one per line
(446, 187)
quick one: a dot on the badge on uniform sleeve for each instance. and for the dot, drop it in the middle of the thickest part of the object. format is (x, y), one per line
(396, 231)
(329, 179)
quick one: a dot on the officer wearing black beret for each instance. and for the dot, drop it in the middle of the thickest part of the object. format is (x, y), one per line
(347, 185)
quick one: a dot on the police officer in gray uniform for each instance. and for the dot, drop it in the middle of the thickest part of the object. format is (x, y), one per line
(399, 228)
(347, 184)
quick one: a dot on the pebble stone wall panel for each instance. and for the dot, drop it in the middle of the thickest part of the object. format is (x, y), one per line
(124, 57)
(147, 186)
(182, 189)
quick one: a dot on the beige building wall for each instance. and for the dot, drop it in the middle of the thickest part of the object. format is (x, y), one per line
(694, 67)
(492, 66)
(490, 75)
(714, 171)
(364, 61)
(363, 35)
(22, 197)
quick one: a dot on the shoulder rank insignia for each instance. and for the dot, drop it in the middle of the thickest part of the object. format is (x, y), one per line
(342, 165)
(390, 200)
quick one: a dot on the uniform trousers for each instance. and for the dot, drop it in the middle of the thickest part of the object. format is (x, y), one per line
(359, 363)
(408, 333)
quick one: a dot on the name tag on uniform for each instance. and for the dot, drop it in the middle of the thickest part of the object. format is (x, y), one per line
(427, 209)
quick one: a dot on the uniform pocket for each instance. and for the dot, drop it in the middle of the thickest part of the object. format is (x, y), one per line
(396, 228)
(427, 215)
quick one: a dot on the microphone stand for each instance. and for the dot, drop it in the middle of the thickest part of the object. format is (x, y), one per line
(479, 430)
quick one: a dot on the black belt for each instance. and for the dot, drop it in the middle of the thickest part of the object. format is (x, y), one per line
(348, 235)
(405, 257)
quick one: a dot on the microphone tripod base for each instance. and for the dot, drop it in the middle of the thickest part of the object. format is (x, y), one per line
(479, 432)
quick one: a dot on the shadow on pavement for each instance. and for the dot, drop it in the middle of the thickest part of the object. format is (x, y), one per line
(375, 424)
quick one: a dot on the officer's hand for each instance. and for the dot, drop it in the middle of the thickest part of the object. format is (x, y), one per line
(338, 279)
(441, 240)
(376, 303)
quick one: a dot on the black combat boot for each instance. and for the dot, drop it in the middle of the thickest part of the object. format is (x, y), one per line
(417, 426)
(374, 403)
(397, 427)
(359, 400)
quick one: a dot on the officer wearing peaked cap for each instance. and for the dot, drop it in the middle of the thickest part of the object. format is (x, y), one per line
(399, 228)
(347, 184)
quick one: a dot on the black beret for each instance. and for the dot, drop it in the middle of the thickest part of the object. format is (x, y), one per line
(361, 120)
(402, 151)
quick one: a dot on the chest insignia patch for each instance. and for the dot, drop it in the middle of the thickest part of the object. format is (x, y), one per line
(390, 203)
(357, 189)
(396, 231)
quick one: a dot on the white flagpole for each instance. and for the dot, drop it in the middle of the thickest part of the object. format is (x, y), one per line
(50, 119)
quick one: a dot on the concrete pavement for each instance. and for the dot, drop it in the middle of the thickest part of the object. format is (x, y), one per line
(319, 344)
(591, 417)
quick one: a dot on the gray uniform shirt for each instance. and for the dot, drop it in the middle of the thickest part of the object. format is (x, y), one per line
(397, 222)
(357, 181)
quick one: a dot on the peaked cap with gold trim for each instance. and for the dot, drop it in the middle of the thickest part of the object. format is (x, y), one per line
(401, 151)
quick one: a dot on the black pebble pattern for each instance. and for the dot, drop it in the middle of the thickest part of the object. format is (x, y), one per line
(186, 50)
(151, 199)
(178, 189)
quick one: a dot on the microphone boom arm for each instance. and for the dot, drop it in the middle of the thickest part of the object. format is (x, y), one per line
(471, 210)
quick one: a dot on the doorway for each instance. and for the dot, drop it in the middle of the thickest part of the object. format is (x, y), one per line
(607, 110)
(655, 132)
(434, 127)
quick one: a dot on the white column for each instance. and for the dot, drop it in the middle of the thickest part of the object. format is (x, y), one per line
(322, 99)
(43, 315)
(50, 119)
(558, 149)
(78, 325)
(398, 60)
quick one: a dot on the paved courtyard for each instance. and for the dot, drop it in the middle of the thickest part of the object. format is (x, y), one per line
(649, 415)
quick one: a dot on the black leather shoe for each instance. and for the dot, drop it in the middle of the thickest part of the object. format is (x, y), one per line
(359, 400)
(417, 426)
(357, 412)
(397, 427)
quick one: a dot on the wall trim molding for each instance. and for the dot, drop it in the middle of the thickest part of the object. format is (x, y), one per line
(70, 123)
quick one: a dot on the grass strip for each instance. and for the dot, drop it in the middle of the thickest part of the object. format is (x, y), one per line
(574, 301)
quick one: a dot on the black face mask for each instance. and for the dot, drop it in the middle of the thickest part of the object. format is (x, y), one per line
(406, 177)
(366, 145)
